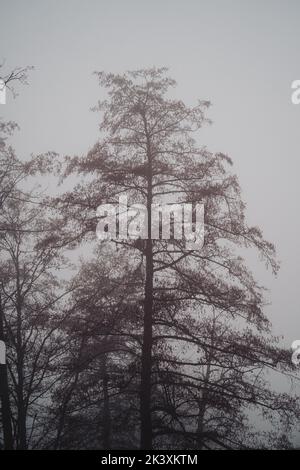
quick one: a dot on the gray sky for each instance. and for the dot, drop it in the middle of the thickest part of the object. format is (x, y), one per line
(241, 55)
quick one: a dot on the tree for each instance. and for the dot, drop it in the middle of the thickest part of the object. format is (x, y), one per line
(30, 294)
(147, 151)
(12, 171)
(16, 76)
(97, 390)
(212, 378)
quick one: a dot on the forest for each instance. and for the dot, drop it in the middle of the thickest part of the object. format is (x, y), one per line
(135, 343)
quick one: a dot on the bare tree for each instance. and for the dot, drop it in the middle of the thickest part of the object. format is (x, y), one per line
(30, 294)
(147, 150)
(159, 338)
(18, 75)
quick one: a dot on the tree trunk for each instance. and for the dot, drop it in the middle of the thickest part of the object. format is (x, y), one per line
(202, 404)
(146, 363)
(106, 406)
(146, 421)
(21, 424)
(22, 412)
(4, 392)
(200, 424)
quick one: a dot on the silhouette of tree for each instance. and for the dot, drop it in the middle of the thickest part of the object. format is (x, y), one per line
(148, 151)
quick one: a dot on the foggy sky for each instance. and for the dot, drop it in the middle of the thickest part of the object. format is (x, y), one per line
(240, 55)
